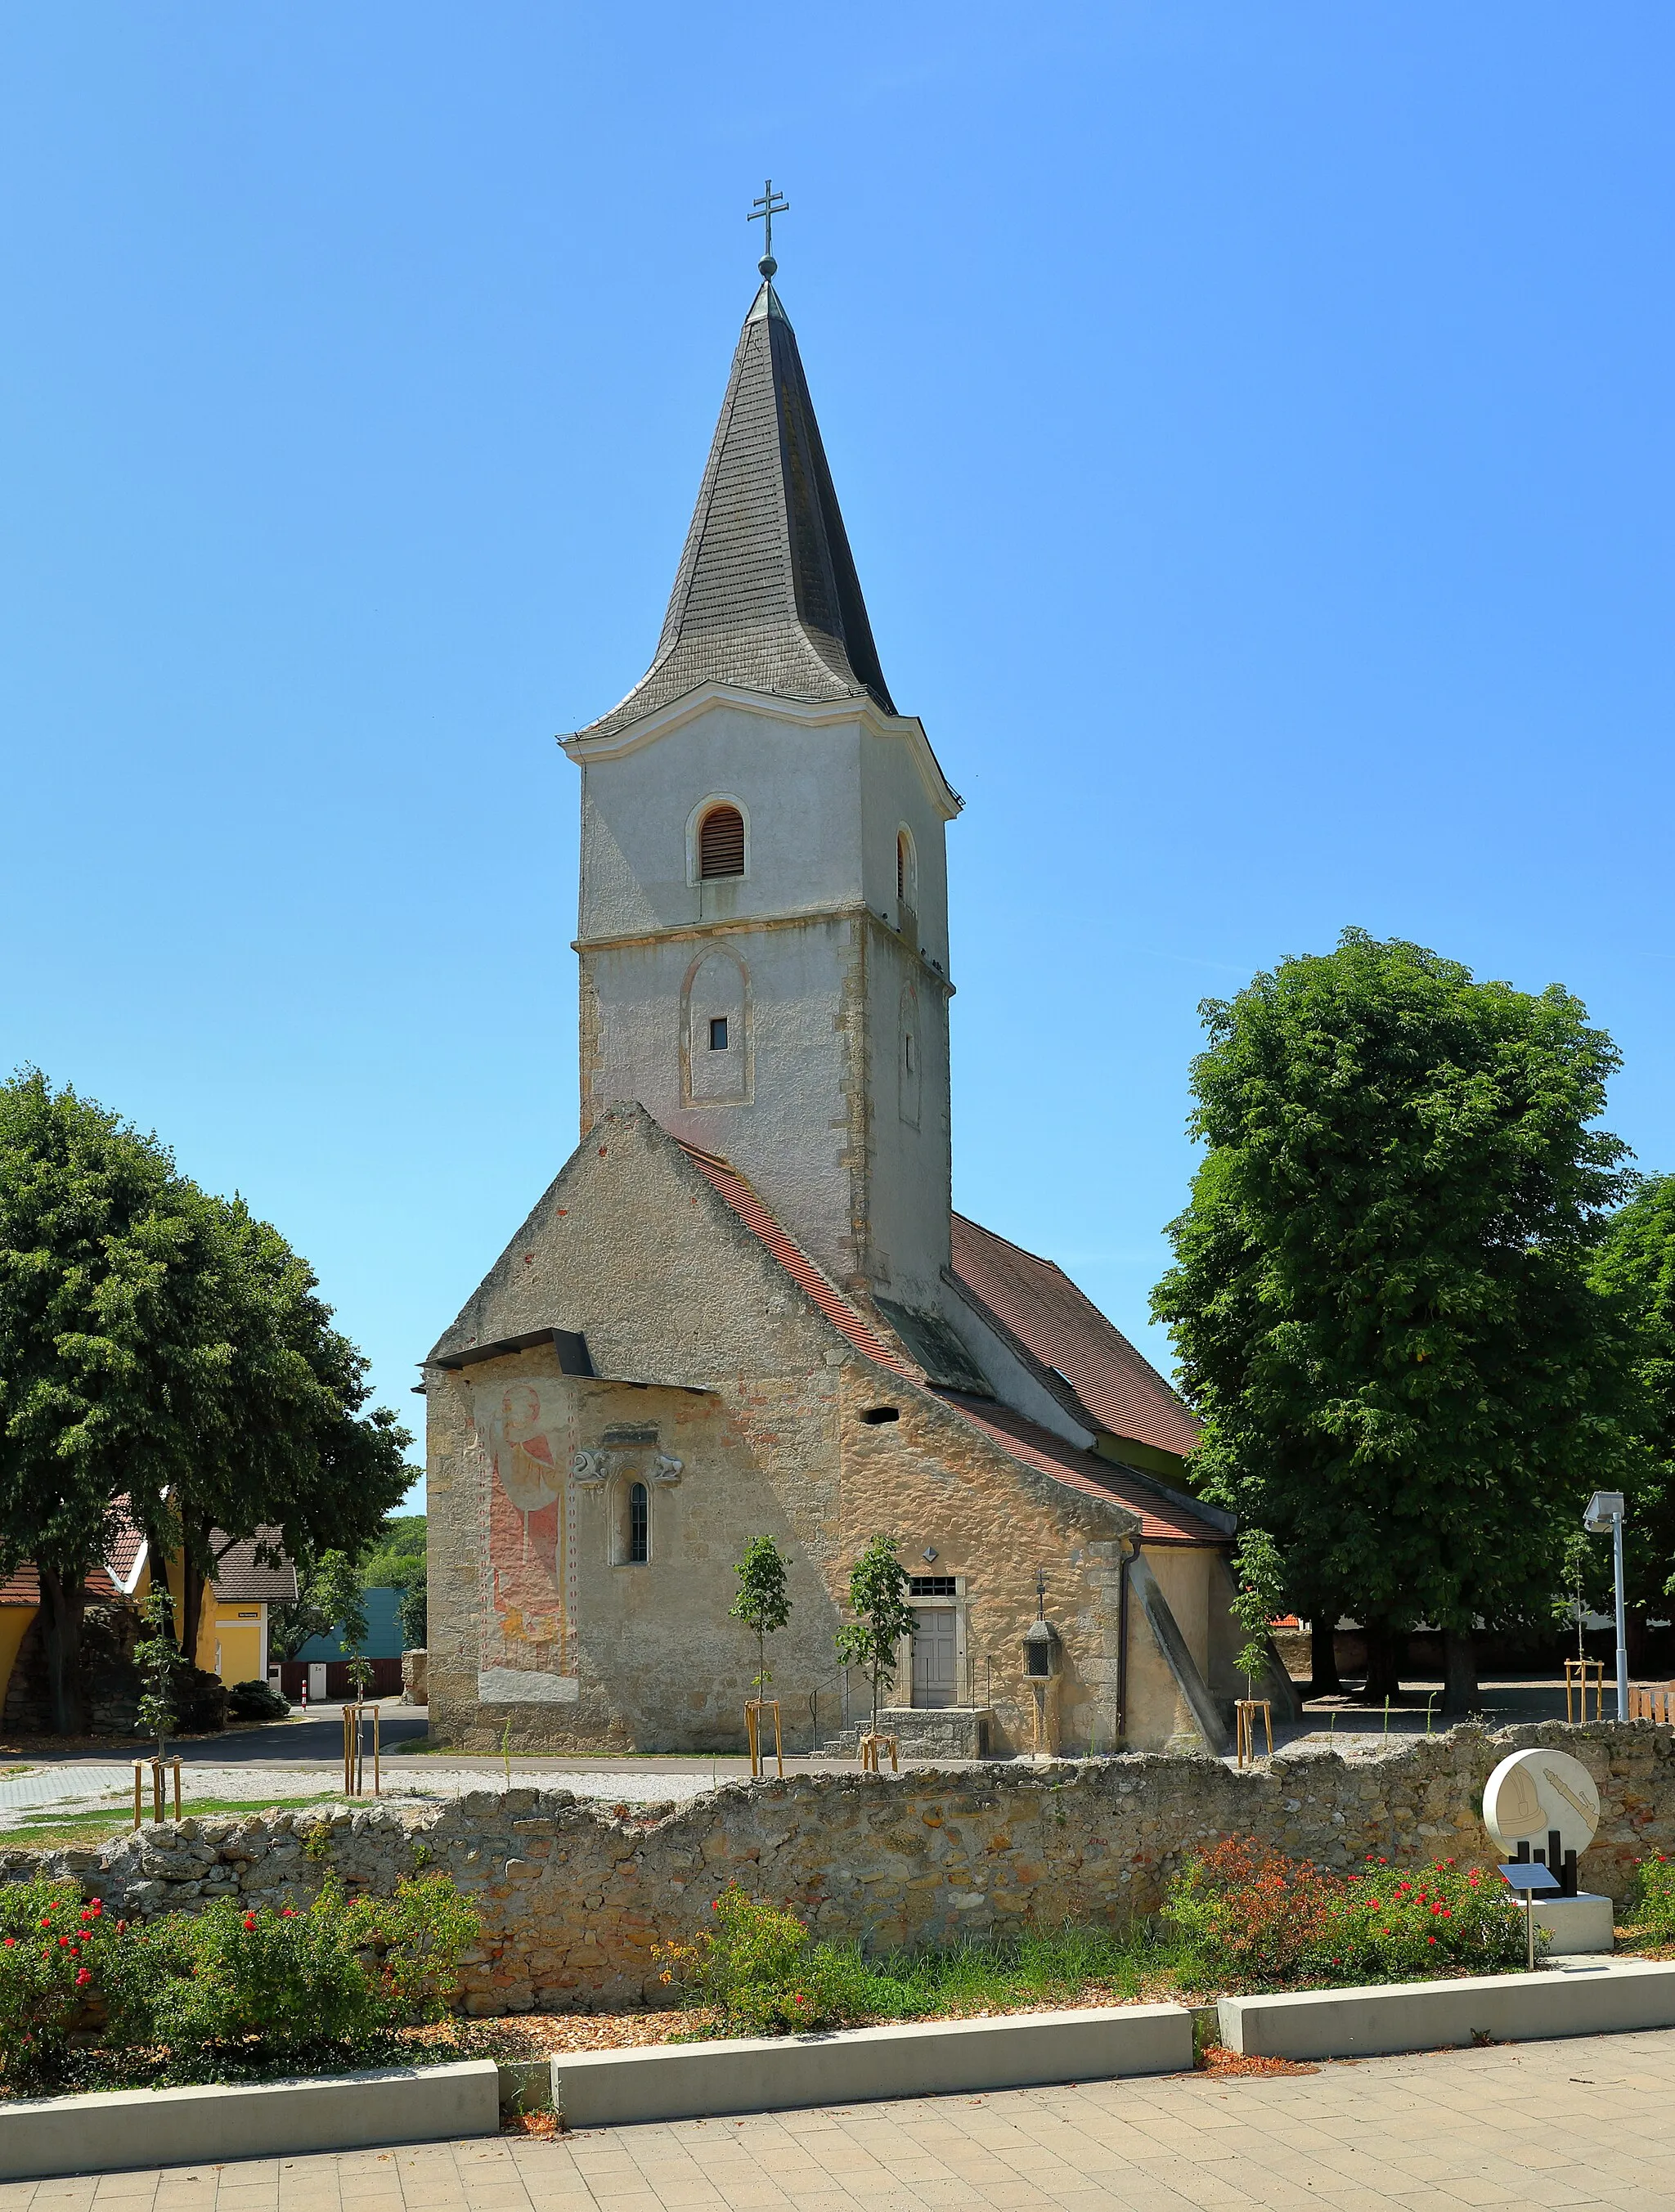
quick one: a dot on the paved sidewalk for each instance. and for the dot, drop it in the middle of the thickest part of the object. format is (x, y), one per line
(1586, 2124)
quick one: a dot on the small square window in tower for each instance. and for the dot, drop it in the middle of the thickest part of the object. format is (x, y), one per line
(718, 1032)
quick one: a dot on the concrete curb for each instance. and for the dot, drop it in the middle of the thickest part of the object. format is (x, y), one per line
(1018, 2051)
(112, 2131)
(1581, 1996)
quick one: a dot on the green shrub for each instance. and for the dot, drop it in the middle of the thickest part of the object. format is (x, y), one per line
(1250, 1915)
(1653, 1907)
(758, 1969)
(254, 1982)
(256, 1701)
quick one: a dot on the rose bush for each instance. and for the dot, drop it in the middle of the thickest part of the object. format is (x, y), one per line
(1248, 1913)
(256, 1982)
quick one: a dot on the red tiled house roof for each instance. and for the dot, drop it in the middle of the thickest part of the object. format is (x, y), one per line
(1114, 1387)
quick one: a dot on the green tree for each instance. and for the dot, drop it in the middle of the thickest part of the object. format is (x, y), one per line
(415, 1617)
(764, 1603)
(1379, 1294)
(878, 1598)
(1258, 1575)
(1633, 1267)
(330, 1599)
(396, 1559)
(163, 1358)
(295, 1459)
(106, 1369)
(157, 1656)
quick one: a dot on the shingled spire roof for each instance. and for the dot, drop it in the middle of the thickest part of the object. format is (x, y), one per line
(767, 596)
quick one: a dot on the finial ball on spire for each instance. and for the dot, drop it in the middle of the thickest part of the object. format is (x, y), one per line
(763, 211)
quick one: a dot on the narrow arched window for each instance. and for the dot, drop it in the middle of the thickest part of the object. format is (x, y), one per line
(639, 1524)
(722, 843)
(902, 871)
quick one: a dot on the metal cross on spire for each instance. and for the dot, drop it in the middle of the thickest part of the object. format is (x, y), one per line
(764, 210)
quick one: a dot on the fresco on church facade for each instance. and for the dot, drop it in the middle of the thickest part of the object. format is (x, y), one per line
(528, 1609)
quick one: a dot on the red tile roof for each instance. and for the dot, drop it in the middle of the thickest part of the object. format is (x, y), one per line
(796, 1262)
(1040, 1304)
(24, 1587)
(1162, 1521)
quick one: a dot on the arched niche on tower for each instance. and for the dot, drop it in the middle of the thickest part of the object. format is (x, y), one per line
(909, 1056)
(716, 1044)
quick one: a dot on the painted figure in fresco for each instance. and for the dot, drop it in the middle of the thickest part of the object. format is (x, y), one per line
(527, 1528)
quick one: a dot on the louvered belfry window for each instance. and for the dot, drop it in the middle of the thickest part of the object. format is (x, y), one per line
(722, 843)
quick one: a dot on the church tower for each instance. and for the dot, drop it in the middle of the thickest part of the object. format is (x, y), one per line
(763, 909)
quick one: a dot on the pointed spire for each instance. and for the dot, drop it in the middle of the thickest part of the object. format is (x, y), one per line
(767, 596)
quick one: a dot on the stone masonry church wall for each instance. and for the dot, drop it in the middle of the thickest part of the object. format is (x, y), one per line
(576, 1895)
(632, 1244)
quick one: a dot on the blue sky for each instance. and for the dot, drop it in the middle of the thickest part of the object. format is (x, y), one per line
(1254, 427)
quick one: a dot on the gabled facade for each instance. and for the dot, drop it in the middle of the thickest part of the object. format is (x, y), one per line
(745, 1304)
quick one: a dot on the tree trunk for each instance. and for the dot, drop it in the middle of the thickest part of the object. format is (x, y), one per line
(63, 1602)
(1323, 1677)
(1459, 1671)
(192, 1606)
(1383, 1662)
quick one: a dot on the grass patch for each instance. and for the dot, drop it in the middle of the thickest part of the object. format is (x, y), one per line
(51, 1831)
(1067, 1966)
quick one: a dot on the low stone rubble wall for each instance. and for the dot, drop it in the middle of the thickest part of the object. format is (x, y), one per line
(575, 1894)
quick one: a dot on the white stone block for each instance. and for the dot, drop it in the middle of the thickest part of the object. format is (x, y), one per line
(1593, 1997)
(1579, 1924)
(693, 2080)
(115, 2130)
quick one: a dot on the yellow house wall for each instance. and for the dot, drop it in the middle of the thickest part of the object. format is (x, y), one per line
(237, 1636)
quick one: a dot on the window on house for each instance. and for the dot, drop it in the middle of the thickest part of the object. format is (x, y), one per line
(933, 1586)
(722, 843)
(718, 1033)
(639, 1524)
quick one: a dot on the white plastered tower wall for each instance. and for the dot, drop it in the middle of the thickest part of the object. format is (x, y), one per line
(834, 1095)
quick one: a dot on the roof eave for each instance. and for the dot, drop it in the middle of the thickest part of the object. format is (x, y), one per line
(583, 746)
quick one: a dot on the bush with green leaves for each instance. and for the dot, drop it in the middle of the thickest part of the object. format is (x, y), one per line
(335, 1977)
(256, 1701)
(760, 1972)
(1248, 1916)
(1653, 1909)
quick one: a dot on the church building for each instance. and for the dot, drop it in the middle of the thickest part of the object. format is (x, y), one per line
(746, 1305)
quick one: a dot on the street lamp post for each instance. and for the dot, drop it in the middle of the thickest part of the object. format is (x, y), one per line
(1604, 1511)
